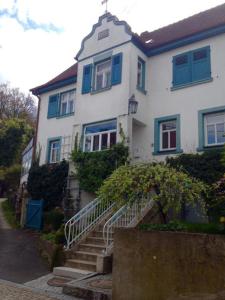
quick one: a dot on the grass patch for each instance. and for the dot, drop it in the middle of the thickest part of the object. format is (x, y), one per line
(209, 228)
(9, 214)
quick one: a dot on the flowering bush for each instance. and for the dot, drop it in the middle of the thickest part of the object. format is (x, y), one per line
(172, 188)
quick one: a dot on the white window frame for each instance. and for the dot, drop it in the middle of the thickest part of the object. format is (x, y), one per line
(104, 80)
(67, 101)
(215, 132)
(91, 135)
(168, 130)
(57, 149)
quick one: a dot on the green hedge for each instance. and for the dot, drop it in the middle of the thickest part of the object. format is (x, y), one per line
(48, 182)
(207, 167)
(94, 167)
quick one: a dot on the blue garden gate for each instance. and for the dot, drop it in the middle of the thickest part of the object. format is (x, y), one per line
(34, 214)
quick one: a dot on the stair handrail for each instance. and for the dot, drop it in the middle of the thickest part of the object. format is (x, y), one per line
(126, 216)
(83, 221)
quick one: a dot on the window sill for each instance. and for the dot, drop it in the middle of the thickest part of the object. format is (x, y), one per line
(101, 90)
(143, 91)
(178, 87)
(167, 152)
(64, 116)
(208, 148)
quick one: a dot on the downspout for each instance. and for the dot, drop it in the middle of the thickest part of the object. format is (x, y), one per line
(36, 130)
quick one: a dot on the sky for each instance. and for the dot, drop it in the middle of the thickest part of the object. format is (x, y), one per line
(40, 38)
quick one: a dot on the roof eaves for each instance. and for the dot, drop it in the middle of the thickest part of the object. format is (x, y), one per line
(49, 87)
(186, 40)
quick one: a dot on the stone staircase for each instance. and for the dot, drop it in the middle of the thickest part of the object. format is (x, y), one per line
(90, 232)
(84, 255)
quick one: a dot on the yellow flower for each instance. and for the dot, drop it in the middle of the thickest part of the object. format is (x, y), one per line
(222, 219)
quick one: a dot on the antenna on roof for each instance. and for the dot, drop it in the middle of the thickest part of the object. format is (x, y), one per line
(106, 5)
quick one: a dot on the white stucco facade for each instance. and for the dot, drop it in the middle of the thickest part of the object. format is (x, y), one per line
(157, 101)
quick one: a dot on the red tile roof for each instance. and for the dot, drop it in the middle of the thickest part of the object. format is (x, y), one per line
(68, 73)
(200, 22)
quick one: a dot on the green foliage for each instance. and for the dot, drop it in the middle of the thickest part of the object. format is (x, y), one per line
(48, 182)
(210, 228)
(14, 135)
(172, 188)
(10, 178)
(9, 214)
(94, 167)
(55, 237)
(207, 167)
(53, 219)
(60, 236)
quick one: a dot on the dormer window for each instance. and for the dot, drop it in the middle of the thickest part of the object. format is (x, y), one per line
(103, 75)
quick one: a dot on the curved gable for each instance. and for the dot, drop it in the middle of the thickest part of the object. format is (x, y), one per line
(107, 33)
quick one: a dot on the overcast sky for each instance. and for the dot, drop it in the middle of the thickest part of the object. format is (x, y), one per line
(39, 38)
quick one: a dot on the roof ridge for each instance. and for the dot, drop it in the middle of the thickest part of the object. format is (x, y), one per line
(182, 20)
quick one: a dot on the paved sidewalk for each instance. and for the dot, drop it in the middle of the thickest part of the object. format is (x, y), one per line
(20, 260)
(42, 285)
(11, 291)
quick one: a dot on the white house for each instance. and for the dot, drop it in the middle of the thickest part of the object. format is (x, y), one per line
(176, 73)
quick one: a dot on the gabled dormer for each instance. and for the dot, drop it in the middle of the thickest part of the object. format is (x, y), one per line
(108, 33)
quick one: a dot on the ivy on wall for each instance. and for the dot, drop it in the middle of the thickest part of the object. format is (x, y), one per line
(48, 182)
(94, 167)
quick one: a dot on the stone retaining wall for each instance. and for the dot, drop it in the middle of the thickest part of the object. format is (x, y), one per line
(167, 265)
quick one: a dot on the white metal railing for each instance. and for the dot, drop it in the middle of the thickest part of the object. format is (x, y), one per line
(126, 216)
(81, 223)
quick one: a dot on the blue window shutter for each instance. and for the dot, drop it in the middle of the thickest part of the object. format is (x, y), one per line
(116, 69)
(53, 106)
(201, 67)
(181, 69)
(87, 76)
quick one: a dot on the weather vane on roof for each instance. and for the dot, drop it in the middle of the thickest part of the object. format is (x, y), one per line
(106, 5)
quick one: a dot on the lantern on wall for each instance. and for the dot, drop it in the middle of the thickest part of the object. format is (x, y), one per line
(132, 105)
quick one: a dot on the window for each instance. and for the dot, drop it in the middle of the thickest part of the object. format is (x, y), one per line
(211, 127)
(67, 103)
(167, 135)
(214, 129)
(54, 149)
(192, 66)
(61, 104)
(103, 75)
(141, 74)
(99, 136)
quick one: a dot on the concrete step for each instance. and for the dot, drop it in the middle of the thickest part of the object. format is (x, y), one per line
(88, 256)
(92, 248)
(95, 240)
(70, 272)
(81, 264)
(97, 233)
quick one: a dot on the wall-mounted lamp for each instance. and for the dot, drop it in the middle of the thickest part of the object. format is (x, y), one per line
(132, 105)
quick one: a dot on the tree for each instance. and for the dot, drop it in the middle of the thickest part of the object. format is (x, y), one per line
(14, 135)
(171, 188)
(15, 104)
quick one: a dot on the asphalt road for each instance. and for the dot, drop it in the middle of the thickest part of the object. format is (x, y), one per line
(19, 256)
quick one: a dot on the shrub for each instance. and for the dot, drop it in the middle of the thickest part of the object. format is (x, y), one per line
(48, 182)
(53, 219)
(94, 167)
(60, 236)
(207, 167)
(172, 188)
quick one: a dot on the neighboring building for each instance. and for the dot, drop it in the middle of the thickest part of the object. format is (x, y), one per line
(27, 156)
(177, 74)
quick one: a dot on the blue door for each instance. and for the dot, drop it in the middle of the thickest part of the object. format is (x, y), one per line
(34, 214)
